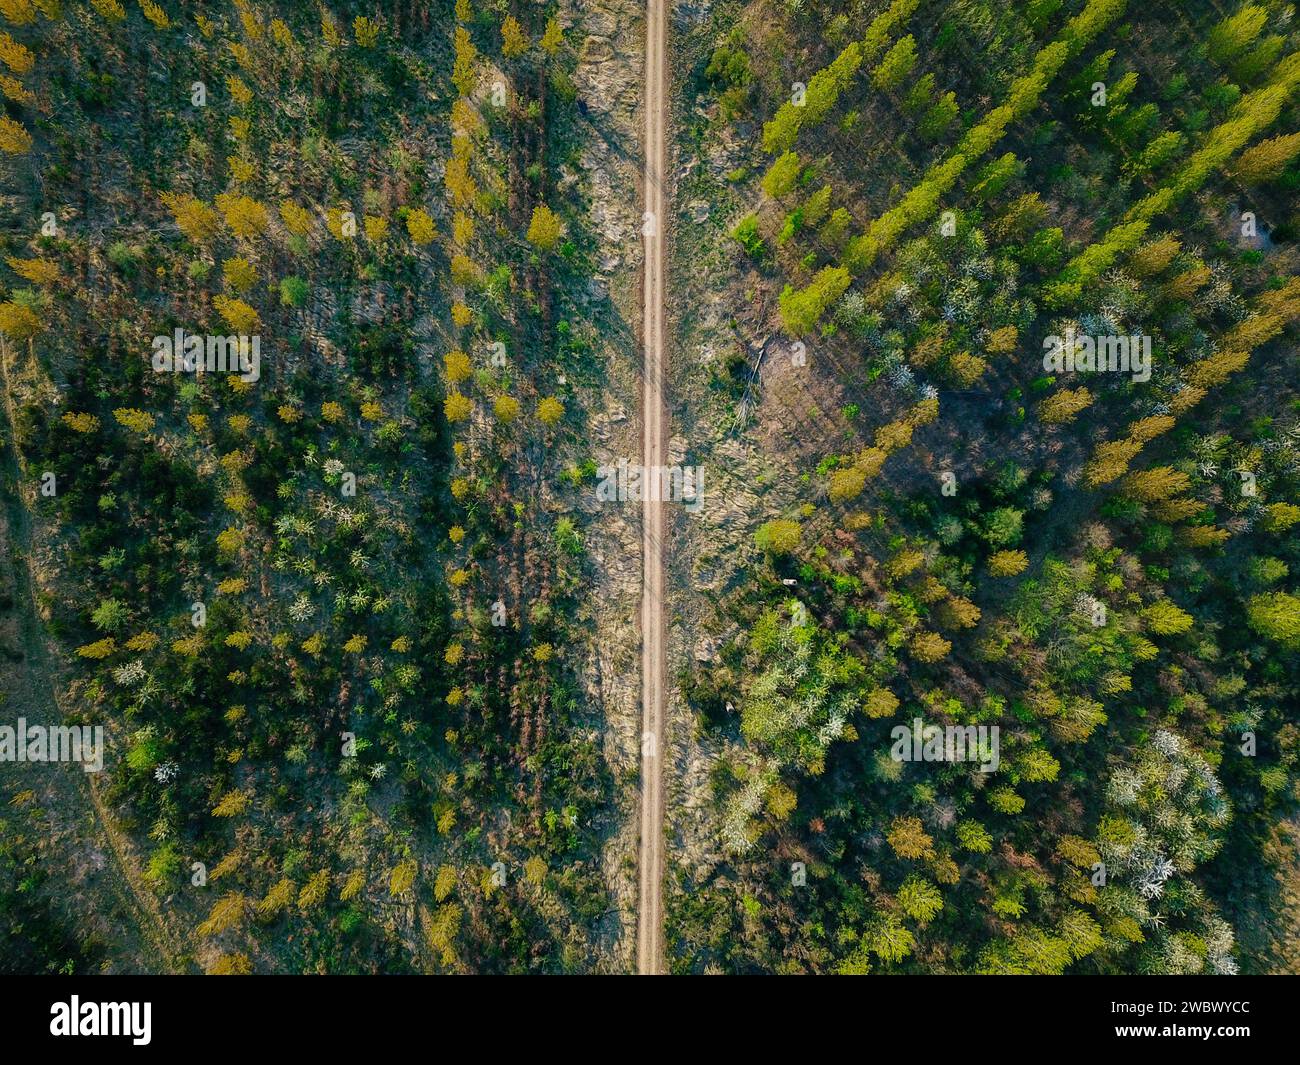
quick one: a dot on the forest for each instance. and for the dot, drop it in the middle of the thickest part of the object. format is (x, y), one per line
(318, 588)
(976, 520)
(977, 638)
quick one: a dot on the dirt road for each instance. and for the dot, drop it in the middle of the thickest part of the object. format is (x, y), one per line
(654, 455)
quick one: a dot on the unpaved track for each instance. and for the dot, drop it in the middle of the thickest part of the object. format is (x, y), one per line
(654, 455)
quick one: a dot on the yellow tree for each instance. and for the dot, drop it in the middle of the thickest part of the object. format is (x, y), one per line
(155, 14)
(238, 315)
(552, 37)
(18, 322)
(1154, 256)
(402, 878)
(277, 900)
(37, 271)
(506, 409)
(846, 484)
(929, 646)
(240, 275)
(514, 41)
(245, 216)
(909, 839)
(1267, 159)
(366, 31)
(17, 12)
(138, 421)
(456, 366)
(1156, 484)
(420, 226)
(550, 410)
(958, 612)
(1109, 462)
(17, 57)
(778, 537)
(14, 138)
(1007, 563)
(193, 217)
(14, 90)
(227, 912)
(459, 182)
(462, 71)
(880, 702)
(297, 220)
(232, 804)
(1146, 429)
(457, 406)
(545, 229)
(1064, 406)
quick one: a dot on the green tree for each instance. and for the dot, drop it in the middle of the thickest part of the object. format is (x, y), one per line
(782, 175)
(824, 89)
(1235, 33)
(815, 207)
(1002, 528)
(939, 117)
(1276, 616)
(729, 66)
(778, 537)
(896, 65)
(294, 291)
(920, 900)
(110, 615)
(801, 310)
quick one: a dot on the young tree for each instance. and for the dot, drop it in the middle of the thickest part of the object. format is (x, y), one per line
(1235, 33)
(552, 36)
(545, 229)
(1266, 160)
(778, 537)
(365, 31)
(550, 410)
(1007, 563)
(514, 41)
(801, 310)
(1276, 616)
(14, 138)
(782, 175)
(896, 65)
(908, 838)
